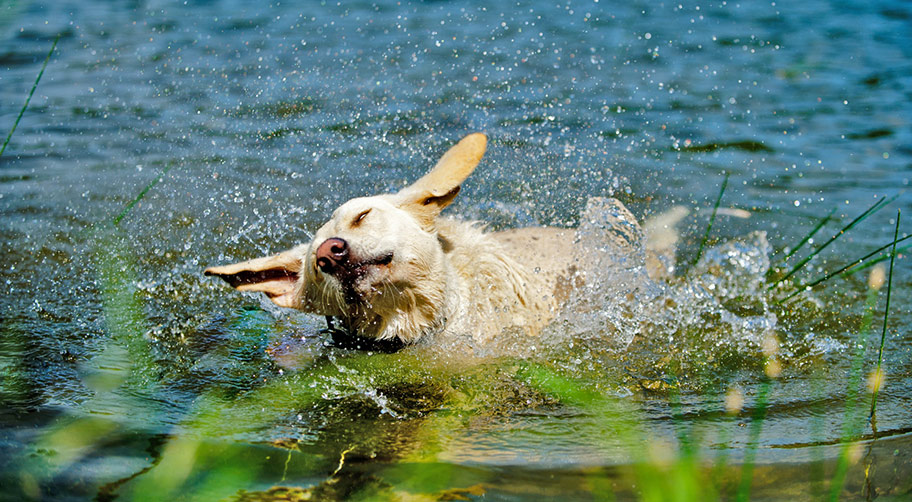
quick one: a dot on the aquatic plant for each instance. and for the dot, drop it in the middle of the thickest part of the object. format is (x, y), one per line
(878, 372)
(878, 205)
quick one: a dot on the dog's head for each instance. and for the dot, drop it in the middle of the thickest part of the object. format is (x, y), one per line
(378, 262)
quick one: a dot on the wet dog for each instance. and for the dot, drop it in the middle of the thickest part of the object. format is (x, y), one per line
(389, 267)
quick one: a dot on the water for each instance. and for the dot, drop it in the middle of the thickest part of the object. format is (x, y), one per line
(119, 361)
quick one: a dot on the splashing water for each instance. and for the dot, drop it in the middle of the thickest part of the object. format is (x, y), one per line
(612, 285)
(724, 295)
(721, 300)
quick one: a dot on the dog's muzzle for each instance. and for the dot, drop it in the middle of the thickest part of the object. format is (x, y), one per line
(333, 257)
(332, 254)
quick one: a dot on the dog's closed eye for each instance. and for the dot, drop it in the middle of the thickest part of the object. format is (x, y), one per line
(358, 219)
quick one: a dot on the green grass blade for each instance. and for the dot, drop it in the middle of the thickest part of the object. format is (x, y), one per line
(871, 263)
(141, 195)
(808, 237)
(29, 98)
(851, 265)
(883, 334)
(712, 219)
(871, 210)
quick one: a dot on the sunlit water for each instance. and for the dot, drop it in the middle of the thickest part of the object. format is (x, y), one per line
(119, 360)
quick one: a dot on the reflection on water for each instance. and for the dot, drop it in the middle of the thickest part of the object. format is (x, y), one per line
(124, 372)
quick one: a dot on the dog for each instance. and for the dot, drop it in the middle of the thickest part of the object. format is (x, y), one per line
(391, 268)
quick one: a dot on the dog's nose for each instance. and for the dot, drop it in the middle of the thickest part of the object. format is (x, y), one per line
(332, 253)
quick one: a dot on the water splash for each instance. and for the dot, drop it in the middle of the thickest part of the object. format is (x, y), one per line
(717, 314)
(613, 286)
(724, 293)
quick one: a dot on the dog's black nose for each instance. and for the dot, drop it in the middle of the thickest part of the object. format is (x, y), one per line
(332, 253)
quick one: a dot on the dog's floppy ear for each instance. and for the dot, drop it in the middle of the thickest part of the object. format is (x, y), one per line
(435, 190)
(274, 275)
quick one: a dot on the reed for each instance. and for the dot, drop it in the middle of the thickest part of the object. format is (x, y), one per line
(878, 375)
(30, 94)
(850, 266)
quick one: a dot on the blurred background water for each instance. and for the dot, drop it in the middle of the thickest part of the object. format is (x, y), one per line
(260, 120)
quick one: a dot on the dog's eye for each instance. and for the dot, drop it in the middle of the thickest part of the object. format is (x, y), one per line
(360, 217)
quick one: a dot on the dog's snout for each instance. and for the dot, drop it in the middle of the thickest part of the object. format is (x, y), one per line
(332, 253)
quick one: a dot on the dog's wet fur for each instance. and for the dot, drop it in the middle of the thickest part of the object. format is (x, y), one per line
(390, 268)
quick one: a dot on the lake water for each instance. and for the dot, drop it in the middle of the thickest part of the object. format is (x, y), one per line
(125, 374)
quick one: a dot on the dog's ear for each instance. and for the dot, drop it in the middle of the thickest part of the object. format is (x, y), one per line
(435, 190)
(274, 275)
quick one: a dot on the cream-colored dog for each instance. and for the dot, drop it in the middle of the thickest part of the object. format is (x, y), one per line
(389, 267)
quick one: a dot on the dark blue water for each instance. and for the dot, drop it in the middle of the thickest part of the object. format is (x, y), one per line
(260, 120)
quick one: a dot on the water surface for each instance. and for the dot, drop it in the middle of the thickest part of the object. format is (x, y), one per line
(124, 373)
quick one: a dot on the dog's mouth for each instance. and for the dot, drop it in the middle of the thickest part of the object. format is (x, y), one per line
(380, 261)
(350, 272)
(356, 280)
